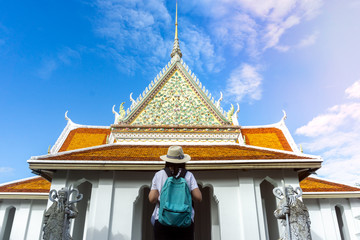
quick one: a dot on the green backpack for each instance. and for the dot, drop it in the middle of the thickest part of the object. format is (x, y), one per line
(175, 201)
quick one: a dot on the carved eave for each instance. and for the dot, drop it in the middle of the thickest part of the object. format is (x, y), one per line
(155, 86)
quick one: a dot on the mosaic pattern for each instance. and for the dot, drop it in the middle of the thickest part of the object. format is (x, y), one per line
(176, 104)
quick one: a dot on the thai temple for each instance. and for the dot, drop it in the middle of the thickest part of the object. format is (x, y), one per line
(237, 167)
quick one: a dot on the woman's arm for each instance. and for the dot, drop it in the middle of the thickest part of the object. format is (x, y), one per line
(153, 196)
(196, 195)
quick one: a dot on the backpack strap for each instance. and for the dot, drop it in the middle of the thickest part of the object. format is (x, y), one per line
(168, 171)
(183, 172)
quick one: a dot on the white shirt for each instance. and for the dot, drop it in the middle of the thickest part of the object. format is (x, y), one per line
(159, 181)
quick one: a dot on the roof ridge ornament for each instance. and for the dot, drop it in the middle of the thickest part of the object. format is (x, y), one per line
(284, 117)
(218, 101)
(119, 116)
(235, 116)
(67, 118)
(176, 52)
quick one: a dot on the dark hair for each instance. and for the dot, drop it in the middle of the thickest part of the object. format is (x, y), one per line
(175, 166)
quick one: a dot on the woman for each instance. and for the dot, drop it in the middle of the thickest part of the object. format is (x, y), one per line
(175, 161)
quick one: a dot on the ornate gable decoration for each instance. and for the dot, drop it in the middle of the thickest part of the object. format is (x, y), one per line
(177, 102)
(176, 98)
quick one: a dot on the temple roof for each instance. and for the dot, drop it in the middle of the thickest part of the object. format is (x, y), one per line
(84, 137)
(120, 152)
(146, 157)
(311, 184)
(29, 188)
(267, 137)
(314, 187)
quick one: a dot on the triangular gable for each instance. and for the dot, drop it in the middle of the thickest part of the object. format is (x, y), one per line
(176, 98)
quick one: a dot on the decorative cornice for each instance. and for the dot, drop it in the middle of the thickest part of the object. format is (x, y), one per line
(192, 165)
(317, 195)
(21, 195)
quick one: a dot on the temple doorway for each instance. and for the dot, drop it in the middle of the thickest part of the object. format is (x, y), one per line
(268, 201)
(84, 188)
(206, 216)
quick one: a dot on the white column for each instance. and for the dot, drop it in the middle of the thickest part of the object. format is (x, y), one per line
(249, 216)
(332, 229)
(317, 225)
(21, 220)
(2, 215)
(127, 186)
(229, 212)
(101, 208)
(35, 219)
(355, 208)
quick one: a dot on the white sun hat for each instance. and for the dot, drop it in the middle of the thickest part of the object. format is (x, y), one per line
(176, 154)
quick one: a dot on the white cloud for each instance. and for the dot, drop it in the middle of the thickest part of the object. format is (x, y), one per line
(47, 68)
(354, 90)
(327, 123)
(68, 55)
(237, 30)
(244, 81)
(274, 31)
(6, 170)
(256, 25)
(198, 49)
(335, 135)
(65, 56)
(308, 40)
(282, 48)
(133, 30)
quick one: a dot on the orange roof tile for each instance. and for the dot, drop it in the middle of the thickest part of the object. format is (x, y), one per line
(33, 185)
(262, 137)
(310, 184)
(85, 137)
(152, 153)
(266, 137)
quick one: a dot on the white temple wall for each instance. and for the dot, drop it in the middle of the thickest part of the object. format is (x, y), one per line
(324, 220)
(27, 221)
(237, 205)
(355, 207)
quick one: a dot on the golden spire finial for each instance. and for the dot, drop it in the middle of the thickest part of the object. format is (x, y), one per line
(176, 24)
(176, 52)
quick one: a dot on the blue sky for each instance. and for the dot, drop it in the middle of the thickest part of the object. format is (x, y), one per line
(267, 55)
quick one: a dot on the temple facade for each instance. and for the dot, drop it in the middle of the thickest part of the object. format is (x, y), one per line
(237, 167)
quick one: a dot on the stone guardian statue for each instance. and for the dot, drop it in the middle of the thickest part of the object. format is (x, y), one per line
(57, 217)
(293, 214)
